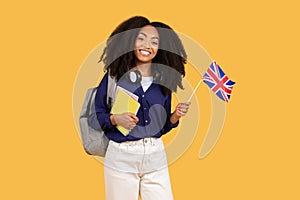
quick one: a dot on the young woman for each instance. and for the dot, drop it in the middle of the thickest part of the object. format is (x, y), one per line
(147, 59)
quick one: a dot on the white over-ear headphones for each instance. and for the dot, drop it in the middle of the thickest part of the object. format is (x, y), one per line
(136, 76)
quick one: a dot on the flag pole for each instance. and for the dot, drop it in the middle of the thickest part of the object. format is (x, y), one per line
(194, 91)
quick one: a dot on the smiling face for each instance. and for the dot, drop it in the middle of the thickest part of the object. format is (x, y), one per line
(146, 45)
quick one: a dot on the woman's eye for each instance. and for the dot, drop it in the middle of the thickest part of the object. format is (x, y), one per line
(155, 43)
(141, 39)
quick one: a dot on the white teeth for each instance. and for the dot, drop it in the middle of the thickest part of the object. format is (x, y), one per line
(144, 52)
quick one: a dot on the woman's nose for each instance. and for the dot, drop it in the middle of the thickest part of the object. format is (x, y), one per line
(147, 44)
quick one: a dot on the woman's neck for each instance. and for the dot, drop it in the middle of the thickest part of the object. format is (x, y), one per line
(145, 69)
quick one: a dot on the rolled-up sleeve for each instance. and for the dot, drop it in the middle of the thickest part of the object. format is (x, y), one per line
(101, 108)
(168, 125)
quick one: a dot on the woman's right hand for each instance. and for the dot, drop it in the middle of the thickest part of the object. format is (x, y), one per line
(126, 120)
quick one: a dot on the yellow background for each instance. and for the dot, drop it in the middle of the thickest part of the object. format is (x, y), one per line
(43, 44)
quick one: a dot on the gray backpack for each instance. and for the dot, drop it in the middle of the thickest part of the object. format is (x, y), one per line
(93, 137)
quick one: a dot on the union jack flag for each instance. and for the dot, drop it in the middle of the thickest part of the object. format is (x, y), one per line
(218, 81)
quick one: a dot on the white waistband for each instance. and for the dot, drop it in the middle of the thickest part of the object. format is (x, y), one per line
(144, 141)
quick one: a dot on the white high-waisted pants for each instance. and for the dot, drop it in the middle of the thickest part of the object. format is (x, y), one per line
(136, 168)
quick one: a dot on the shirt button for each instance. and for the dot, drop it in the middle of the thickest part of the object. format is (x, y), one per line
(145, 108)
(146, 121)
(143, 95)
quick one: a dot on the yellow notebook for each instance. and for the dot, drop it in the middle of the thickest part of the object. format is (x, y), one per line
(125, 101)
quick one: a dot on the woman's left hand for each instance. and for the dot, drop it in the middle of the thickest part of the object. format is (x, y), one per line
(182, 109)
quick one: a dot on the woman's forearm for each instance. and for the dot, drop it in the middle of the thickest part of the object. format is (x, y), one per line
(174, 118)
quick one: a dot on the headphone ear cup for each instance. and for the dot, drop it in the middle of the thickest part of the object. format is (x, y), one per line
(157, 77)
(135, 76)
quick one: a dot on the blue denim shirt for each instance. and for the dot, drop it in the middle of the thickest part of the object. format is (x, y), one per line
(154, 112)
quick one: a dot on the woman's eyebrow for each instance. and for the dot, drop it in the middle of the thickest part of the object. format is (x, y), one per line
(144, 34)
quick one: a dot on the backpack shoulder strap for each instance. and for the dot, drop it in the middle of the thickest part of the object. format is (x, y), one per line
(111, 91)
